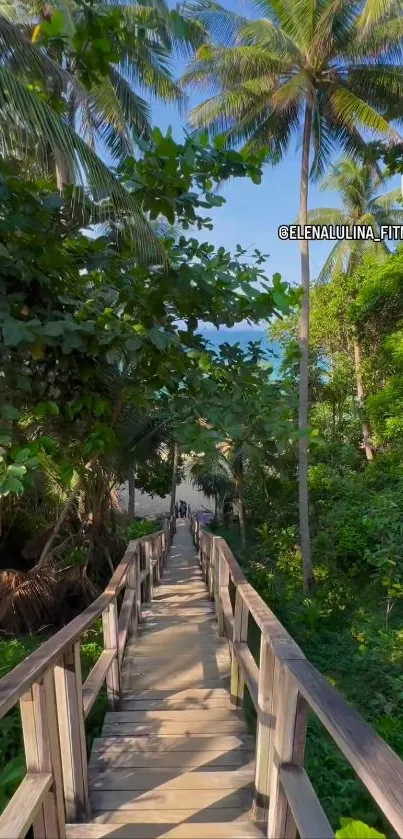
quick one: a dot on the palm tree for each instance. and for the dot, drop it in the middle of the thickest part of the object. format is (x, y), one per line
(323, 70)
(213, 476)
(53, 104)
(358, 185)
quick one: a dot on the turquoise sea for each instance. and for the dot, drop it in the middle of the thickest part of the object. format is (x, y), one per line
(242, 336)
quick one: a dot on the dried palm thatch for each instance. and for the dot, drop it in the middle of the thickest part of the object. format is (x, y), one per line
(28, 600)
(43, 596)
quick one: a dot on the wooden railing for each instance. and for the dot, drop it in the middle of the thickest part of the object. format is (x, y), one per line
(284, 687)
(54, 703)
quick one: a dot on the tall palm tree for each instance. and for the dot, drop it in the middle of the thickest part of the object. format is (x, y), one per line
(51, 103)
(326, 71)
(358, 186)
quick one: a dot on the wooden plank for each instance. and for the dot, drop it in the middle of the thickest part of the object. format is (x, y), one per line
(227, 614)
(157, 800)
(157, 780)
(192, 695)
(264, 731)
(207, 742)
(111, 643)
(222, 588)
(127, 759)
(172, 704)
(309, 816)
(249, 668)
(26, 802)
(379, 768)
(191, 728)
(289, 742)
(184, 716)
(241, 829)
(96, 678)
(223, 814)
(42, 754)
(175, 681)
(240, 634)
(125, 619)
(70, 716)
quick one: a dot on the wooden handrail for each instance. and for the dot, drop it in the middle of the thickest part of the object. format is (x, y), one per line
(54, 703)
(283, 688)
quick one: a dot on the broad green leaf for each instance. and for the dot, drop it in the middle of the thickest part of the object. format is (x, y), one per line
(357, 830)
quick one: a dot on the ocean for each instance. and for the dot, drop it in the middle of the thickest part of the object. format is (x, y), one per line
(242, 336)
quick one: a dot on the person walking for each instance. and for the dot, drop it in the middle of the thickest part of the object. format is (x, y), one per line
(176, 510)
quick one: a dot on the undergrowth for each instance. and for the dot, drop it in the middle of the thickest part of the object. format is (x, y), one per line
(342, 630)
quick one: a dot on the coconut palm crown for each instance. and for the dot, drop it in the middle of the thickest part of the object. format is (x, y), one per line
(363, 203)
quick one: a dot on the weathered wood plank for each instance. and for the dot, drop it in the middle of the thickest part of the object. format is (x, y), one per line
(307, 811)
(70, 715)
(194, 801)
(240, 829)
(264, 731)
(132, 779)
(211, 760)
(249, 668)
(206, 742)
(163, 728)
(375, 763)
(26, 802)
(223, 814)
(96, 678)
(240, 634)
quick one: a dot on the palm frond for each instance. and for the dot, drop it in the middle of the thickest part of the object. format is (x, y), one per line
(22, 107)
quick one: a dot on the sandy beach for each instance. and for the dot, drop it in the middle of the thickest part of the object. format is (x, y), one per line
(148, 507)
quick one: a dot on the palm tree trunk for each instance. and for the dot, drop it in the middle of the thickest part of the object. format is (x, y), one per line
(132, 495)
(369, 452)
(174, 478)
(240, 503)
(304, 362)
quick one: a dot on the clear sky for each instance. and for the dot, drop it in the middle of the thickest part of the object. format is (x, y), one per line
(253, 213)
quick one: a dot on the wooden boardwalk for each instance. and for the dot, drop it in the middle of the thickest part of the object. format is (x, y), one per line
(176, 759)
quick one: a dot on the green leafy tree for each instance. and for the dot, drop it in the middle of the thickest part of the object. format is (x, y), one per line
(305, 70)
(358, 186)
(70, 82)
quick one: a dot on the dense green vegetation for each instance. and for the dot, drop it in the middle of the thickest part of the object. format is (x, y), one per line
(105, 279)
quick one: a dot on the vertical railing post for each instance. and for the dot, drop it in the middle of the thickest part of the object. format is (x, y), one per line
(111, 642)
(264, 731)
(137, 563)
(131, 584)
(214, 567)
(240, 633)
(223, 582)
(70, 716)
(148, 582)
(210, 569)
(42, 754)
(288, 747)
(163, 550)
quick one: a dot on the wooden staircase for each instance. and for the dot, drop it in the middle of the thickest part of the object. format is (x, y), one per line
(175, 759)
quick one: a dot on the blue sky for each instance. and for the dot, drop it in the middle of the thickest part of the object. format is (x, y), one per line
(253, 213)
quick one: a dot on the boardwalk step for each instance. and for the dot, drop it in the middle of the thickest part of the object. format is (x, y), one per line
(176, 759)
(129, 779)
(183, 715)
(114, 759)
(132, 723)
(243, 829)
